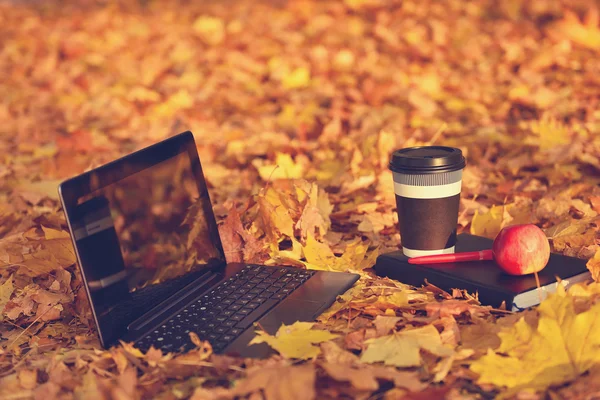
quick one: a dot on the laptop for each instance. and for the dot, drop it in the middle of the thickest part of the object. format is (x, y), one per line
(153, 264)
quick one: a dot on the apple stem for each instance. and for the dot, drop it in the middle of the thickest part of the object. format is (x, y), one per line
(537, 282)
(454, 257)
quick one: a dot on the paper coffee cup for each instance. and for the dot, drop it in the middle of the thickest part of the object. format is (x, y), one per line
(427, 183)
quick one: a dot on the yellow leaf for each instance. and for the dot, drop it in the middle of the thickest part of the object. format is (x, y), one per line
(298, 78)
(131, 349)
(585, 34)
(429, 84)
(344, 60)
(563, 346)
(394, 300)
(210, 29)
(342, 302)
(284, 168)
(319, 256)
(488, 224)
(295, 341)
(275, 210)
(354, 253)
(28, 378)
(548, 133)
(402, 349)
(357, 4)
(585, 290)
(181, 100)
(143, 95)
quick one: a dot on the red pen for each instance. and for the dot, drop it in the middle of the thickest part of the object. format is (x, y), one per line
(453, 257)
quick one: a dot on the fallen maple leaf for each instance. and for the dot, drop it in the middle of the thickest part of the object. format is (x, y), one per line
(49, 256)
(210, 29)
(333, 353)
(6, 291)
(454, 308)
(316, 212)
(277, 383)
(319, 256)
(563, 346)
(35, 192)
(295, 341)
(488, 224)
(384, 325)
(402, 349)
(283, 168)
(365, 377)
(585, 34)
(297, 78)
(28, 378)
(229, 231)
(593, 265)
(359, 378)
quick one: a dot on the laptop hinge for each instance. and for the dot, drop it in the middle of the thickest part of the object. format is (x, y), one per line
(175, 301)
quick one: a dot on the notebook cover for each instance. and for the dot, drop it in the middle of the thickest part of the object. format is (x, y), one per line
(492, 284)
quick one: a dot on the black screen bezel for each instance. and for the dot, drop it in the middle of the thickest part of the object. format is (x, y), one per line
(79, 186)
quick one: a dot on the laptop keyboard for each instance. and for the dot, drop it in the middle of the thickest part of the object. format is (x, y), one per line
(223, 314)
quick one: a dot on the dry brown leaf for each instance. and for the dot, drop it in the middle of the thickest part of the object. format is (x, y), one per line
(384, 325)
(454, 307)
(332, 353)
(280, 383)
(593, 265)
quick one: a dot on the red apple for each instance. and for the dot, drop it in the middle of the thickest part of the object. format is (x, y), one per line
(521, 249)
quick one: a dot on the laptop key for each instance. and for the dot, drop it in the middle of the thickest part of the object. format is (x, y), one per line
(262, 298)
(227, 338)
(235, 331)
(256, 314)
(219, 346)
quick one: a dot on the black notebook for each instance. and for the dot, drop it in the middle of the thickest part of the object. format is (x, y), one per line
(484, 277)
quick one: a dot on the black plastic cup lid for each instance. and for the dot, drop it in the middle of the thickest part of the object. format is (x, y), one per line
(427, 160)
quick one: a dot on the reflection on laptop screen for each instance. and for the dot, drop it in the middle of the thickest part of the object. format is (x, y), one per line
(141, 239)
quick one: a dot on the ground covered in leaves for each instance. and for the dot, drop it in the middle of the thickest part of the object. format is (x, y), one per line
(296, 106)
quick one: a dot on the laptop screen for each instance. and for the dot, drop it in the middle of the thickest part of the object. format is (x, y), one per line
(143, 237)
